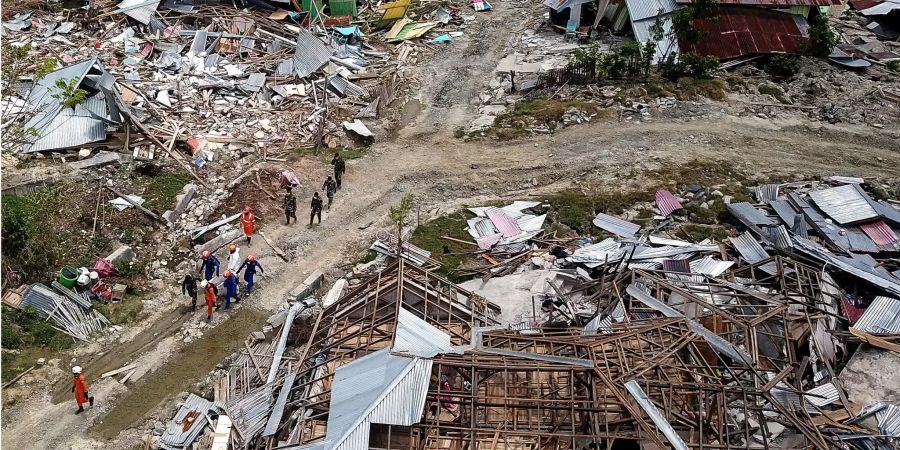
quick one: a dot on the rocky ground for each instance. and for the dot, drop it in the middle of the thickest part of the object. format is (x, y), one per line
(176, 350)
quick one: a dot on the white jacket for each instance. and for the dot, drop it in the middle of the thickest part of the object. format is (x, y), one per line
(234, 261)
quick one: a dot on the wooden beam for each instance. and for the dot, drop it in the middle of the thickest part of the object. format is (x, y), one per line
(133, 203)
(119, 370)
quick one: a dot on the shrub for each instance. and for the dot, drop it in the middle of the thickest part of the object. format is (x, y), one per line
(783, 65)
(894, 65)
(688, 65)
(821, 39)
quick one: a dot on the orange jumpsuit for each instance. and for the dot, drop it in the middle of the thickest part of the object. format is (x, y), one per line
(81, 389)
(248, 223)
(210, 294)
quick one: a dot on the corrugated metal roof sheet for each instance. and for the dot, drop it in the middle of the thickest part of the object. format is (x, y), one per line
(255, 82)
(855, 265)
(539, 357)
(766, 192)
(417, 337)
(503, 222)
(377, 388)
(747, 213)
(643, 9)
(666, 202)
(605, 250)
(779, 236)
(345, 87)
(881, 317)
(656, 416)
(822, 395)
(844, 204)
(851, 312)
(773, 3)
(616, 225)
(140, 10)
(888, 420)
(710, 266)
(198, 45)
(175, 437)
(676, 265)
(42, 299)
(749, 248)
(883, 8)
(666, 46)
(785, 211)
(879, 232)
(800, 227)
(859, 242)
(746, 31)
(310, 55)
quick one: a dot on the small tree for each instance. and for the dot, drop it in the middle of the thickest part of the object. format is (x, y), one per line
(398, 218)
(68, 93)
(821, 39)
(17, 63)
(684, 19)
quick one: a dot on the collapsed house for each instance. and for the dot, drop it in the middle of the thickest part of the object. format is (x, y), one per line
(686, 345)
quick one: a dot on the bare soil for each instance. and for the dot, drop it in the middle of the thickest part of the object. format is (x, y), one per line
(444, 173)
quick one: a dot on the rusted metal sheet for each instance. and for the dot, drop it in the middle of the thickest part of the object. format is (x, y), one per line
(879, 232)
(748, 31)
(666, 202)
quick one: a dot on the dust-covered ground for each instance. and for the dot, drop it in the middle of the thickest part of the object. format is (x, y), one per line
(175, 350)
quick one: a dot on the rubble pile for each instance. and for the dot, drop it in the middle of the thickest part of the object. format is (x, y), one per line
(635, 337)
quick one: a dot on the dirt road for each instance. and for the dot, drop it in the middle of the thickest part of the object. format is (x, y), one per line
(444, 173)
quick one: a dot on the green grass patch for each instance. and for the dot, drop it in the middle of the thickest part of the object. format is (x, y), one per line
(124, 312)
(31, 336)
(32, 244)
(161, 190)
(697, 232)
(543, 110)
(702, 172)
(692, 88)
(459, 133)
(774, 91)
(368, 257)
(577, 208)
(453, 256)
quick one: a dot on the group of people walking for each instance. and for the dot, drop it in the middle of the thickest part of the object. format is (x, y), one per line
(209, 266)
(330, 186)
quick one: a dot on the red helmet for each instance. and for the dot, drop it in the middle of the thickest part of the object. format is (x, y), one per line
(227, 273)
(251, 258)
(247, 210)
(205, 254)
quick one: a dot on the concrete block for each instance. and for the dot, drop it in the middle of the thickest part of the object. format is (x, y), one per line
(336, 292)
(308, 287)
(258, 336)
(181, 203)
(217, 241)
(122, 255)
(98, 160)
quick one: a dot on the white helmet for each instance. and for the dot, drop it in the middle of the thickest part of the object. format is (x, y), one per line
(94, 275)
(204, 283)
(76, 370)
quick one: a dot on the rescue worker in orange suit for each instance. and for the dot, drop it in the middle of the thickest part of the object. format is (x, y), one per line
(248, 224)
(80, 388)
(210, 293)
(231, 289)
(210, 263)
(252, 265)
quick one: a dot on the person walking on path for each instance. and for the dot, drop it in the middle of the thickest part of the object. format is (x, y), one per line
(231, 289)
(80, 388)
(252, 266)
(315, 208)
(189, 289)
(248, 224)
(210, 293)
(210, 263)
(339, 168)
(290, 206)
(330, 187)
(234, 258)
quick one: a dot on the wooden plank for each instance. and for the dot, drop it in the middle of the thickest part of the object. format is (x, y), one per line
(262, 376)
(18, 377)
(127, 376)
(141, 208)
(275, 248)
(119, 370)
